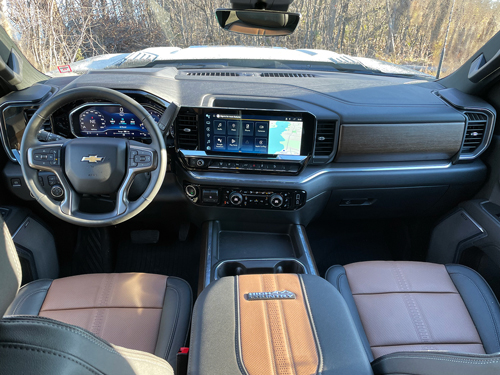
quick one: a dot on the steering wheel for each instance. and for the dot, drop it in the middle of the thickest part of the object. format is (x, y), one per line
(93, 166)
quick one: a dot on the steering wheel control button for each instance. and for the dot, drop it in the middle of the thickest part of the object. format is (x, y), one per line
(53, 180)
(235, 198)
(210, 196)
(46, 156)
(57, 191)
(140, 158)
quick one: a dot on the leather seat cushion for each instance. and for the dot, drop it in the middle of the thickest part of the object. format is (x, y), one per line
(144, 312)
(409, 306)
(124, 309)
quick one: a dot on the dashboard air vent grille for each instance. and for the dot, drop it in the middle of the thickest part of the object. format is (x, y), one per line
(28, 114)
(476, 128)
(186, 130)
(213, 74)
(287, 75)
(325, 137)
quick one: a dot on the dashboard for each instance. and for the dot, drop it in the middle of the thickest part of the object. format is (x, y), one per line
(338, 145)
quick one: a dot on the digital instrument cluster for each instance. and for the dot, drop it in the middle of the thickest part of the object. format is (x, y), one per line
(110, 120)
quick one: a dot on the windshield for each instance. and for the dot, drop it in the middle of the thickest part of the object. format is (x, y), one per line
(412, 37)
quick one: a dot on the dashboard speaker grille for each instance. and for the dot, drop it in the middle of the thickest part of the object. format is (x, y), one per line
(213, 74)
(28, 114)
(476, 128)
(325, 138)
(287, 75)
(186, 130)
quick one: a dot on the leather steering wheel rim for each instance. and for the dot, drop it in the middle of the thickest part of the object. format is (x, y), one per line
(30, 141)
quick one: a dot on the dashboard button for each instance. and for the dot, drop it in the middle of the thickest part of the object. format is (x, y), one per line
(210, 196)
(15, 182)
(191, 191)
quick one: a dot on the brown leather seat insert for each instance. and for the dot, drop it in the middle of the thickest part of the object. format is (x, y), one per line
(411, 306)
(124, 309)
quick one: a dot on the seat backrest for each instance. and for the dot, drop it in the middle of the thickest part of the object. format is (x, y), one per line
(10, 269)
(36, 345)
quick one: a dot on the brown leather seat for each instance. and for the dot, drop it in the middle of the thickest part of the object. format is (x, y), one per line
(143, 313)
(135, 310)
(416, 306)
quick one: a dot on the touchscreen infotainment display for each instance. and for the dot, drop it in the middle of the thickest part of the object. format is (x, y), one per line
(254, 133)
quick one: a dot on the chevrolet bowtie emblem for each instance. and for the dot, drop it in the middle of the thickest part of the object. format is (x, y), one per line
(93, 158)
(284, 294)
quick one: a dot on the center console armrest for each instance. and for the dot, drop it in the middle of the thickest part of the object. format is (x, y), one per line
(251, 323)
(432, 363)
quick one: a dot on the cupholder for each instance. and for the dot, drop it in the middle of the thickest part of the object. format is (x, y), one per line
(254, 266)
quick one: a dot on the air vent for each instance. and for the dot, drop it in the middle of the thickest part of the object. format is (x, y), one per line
(186, 129)
(287, 75)
(325, 137)
(476, 128)
(213, 74)
(28, 114)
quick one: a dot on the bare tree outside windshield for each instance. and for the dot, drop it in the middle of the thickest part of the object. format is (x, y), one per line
(405, 32)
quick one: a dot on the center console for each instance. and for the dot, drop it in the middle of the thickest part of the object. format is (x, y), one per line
(274, 324)
(225, 140)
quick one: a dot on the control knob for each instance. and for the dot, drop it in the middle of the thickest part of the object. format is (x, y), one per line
(191, 191)
(276, 200)
(57, 191)
(235, 198)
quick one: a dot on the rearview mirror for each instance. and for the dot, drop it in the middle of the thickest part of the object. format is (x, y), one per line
(258, 22)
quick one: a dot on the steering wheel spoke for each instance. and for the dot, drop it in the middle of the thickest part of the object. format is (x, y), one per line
(141, 158)
(71, 200)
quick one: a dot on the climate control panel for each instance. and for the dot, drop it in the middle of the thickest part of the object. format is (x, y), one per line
(261, 198)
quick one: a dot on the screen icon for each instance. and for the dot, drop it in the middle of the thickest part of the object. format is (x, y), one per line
(219, 143)
(232, 127)
(247, 144)
(219, 127)
(248, 127)
(261, 144)
(232, 144)
(261, 128)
